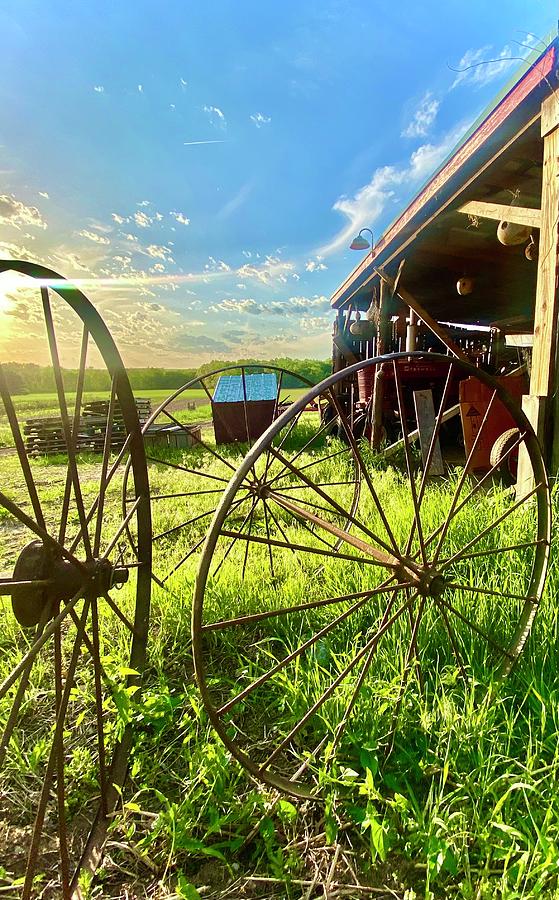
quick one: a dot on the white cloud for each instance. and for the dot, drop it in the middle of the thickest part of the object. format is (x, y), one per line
(159, 252)
(144, 203)
(118, 219)
(370, 201)
(478, 67)
(423, 117)
(98, 88)
(260, 119)
(141, 88)
(93, 236)
(315, 265)
(183, 83)
(14, 212)
(130, 237)
(157, 267)
(181, 218)
(142, 220)
(216, 117)
(44, 194)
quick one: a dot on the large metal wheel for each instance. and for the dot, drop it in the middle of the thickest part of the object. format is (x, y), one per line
(75, 606)
(438, 582)
(187, 482)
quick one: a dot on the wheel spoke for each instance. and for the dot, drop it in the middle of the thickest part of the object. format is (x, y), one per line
(60, 779)
(475, 628)
(274, 417)
(452, 514)
(254, 501)
(165, 462)
(409, 466)
(331, 501)
(476, 590)
(234, 536)
(118, 612)
(57, 737)
(114, 540)
(453, 640)
(363, 468)
(20, 448)
(75, 431)
(68, 438)
(104, 469)
(410, 653)
(198, 441)
(300, 607)
(40, 642)
(92, 509)
(294, 654)
(290, 545)
(463, 477)
(477, 553)
(493, 525)
(270, 553)
(382, 558)
(334, 684)
(99, 704)
(21, 689)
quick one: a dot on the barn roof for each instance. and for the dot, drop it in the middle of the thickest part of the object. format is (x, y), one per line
(261, 386)
(497, 156)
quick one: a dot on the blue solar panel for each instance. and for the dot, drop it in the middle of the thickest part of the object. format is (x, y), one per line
(229, 388)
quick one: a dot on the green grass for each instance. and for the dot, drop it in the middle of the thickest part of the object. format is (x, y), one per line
(466, 805)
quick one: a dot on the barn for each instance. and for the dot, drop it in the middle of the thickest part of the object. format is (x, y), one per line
(470, 266)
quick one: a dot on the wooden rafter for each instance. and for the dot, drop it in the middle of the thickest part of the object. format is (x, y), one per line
(500, 212)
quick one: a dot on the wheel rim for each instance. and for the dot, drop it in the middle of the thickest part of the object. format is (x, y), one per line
(73, 650)
(187, 485)
(420, 586)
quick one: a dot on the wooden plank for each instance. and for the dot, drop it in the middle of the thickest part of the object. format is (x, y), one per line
(550, 114)
(424, 316)
(545, 316)
(519, 340)
(534, 408)
(425, 416)
(520, 215)
(414, 435)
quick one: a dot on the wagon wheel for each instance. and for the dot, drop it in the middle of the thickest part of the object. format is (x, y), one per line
(187, 482)
(71, 647)
(434, 583)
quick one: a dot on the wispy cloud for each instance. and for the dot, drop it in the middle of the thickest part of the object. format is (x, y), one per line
(260, 119)
(216, 117)
(479, 67)
(368, 203)
(197, 143)
(423, 117)
(44, 195)
(183, 83)
(99, 88)
(315, 265)
(93, 236)
(140, 89)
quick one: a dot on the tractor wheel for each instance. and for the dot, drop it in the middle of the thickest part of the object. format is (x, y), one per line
(505, 459)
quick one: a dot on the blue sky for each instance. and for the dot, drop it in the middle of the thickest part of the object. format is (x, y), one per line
(217, 158)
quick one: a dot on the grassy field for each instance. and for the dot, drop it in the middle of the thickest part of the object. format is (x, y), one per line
(465, 805)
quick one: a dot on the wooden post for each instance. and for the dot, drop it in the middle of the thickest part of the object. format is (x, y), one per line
(425, 417)
(543, 377)
(411, 332)
(378, 383)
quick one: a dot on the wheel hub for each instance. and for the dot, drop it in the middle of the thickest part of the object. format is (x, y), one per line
(54, 580)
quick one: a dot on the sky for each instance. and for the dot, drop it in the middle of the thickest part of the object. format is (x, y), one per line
(200, 169)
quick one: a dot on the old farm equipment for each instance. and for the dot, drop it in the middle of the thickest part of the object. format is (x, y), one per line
(349, 583)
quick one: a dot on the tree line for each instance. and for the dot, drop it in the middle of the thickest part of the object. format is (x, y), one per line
(29, 378)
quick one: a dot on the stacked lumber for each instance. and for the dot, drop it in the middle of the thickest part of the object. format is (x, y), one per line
(45, 435)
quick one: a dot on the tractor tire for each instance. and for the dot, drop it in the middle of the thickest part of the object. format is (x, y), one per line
(508, 465)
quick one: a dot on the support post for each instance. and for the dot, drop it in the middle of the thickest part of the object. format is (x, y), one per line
(543, 379)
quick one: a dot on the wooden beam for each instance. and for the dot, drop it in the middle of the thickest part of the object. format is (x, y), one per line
(545, 316)
(519, 215)
(414, 435)
(424, 316)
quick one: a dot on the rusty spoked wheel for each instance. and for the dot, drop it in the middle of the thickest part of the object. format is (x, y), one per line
(437, 583)
(193, 453)
(75, 603)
